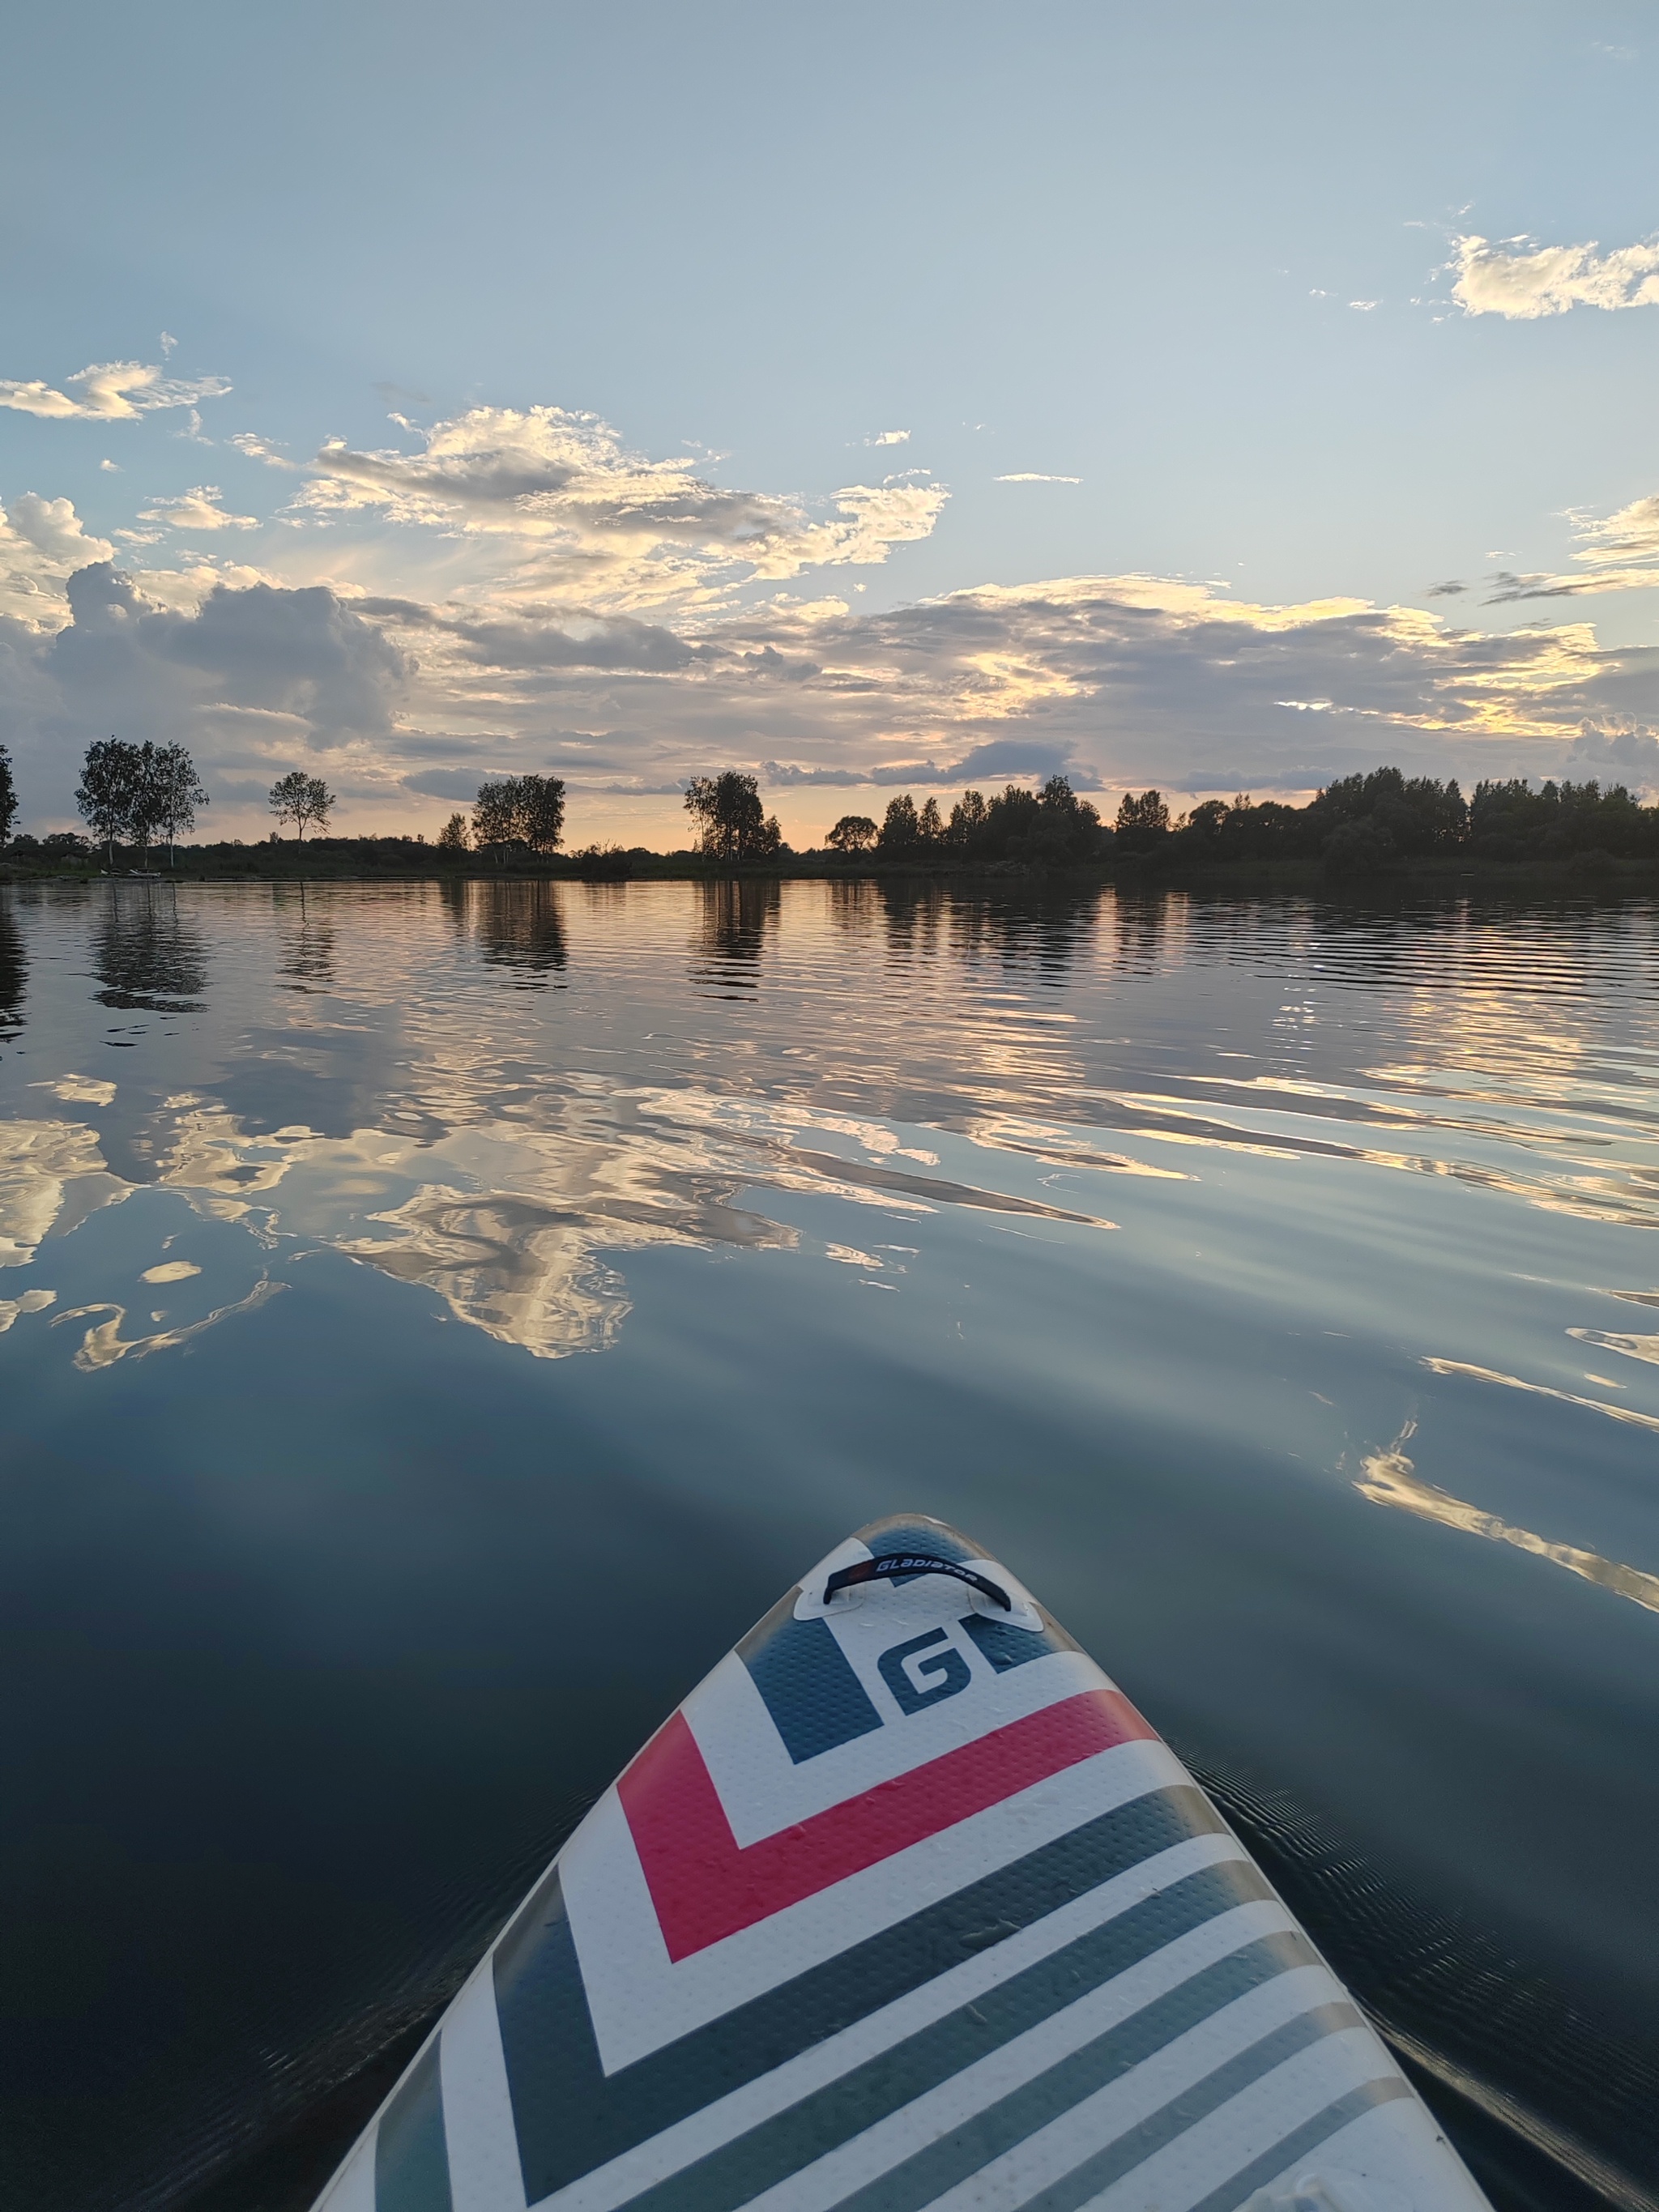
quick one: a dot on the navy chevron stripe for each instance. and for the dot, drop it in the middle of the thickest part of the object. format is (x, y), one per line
(793, 2138)
(929, 2173)
(1291, 2149)
(1184, 2112)
(570, 2117)
(808, 1682)
(411, 2156)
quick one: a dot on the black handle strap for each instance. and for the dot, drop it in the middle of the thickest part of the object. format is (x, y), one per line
(897, 1564)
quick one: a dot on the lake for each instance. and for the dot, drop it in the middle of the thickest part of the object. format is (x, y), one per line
(438, 1319)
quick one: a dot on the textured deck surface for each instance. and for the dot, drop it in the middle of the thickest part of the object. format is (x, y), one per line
(905, 1906)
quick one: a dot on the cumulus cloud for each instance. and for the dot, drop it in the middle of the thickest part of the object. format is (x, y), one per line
(888, 438)
(1110, 680)
(1520, 280)
(42, 544)
(1031, 476)
(110, 391)
(250, 677)
(517, 589)
(1616, 752)
(579, 514)
(197, 508)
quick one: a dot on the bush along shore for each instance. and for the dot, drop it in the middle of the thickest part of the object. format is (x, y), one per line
(1360, 831)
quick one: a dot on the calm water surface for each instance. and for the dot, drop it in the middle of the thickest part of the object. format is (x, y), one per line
(437, 1322)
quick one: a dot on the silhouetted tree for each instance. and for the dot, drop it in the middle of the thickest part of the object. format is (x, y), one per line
(519, 812)
(854, 833)
(495, 818)
(107, 795)
(735, 824)
(452, 838)
(7, 796)
(174, 792)
(967, 819)
(1052, 827)
(541, 811)
(1143, 821)
(300, 798)
(1415, 815)
(901, 829)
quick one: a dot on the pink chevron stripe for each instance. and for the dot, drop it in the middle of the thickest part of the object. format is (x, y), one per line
(705, 1887)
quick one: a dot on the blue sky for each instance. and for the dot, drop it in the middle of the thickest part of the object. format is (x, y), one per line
(524, 388)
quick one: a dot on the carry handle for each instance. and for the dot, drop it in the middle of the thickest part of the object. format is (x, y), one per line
(896, 1563)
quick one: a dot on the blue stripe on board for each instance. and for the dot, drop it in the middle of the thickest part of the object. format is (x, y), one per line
(571, 2116)
(1086, 2181)
(807, 1681)
(893, 2078)
(927, 2173)
(1293, 2149)
(411, 2157)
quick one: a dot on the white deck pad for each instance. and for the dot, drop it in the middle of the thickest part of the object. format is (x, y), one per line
(906, 1906)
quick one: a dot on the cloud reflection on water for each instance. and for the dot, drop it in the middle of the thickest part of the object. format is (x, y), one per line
(446, 1134)
(1391, 1478)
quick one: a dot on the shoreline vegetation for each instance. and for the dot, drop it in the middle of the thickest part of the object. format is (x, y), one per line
(1363, 832)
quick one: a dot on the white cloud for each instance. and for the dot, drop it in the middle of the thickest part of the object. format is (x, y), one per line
(1364, 307)
(1619, 752)
(1617, 552)
(888, 438)
(1117, 680)
(197, 509)
(1630, 535)
(436, 613)
(1031, 476)
(42, 544)
(256, 449)
(110, 468)
(110, 392)
(1520, 280)
(574, 515)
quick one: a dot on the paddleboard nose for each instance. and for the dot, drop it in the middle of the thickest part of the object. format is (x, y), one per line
(906, 1906)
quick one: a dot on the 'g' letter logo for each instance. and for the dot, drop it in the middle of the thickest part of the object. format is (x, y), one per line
(940, 1677)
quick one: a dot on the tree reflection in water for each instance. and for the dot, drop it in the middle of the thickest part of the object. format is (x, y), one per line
(306, 955)
(13, 973)
(1039, 938)
(912, 912)
(734, 918)
(853, 907)
(145, 953)
(1140, 923)
(520, 926)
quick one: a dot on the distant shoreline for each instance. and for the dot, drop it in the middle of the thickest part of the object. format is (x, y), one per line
(400, 860)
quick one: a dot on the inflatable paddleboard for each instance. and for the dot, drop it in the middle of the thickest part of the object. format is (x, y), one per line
(905, 1906)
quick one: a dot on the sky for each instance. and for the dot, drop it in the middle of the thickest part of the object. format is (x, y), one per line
(1212, 397)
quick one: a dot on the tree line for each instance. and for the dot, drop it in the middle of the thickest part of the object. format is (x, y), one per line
(1052, 825)
(513, 814)
(1360, 823)
(134, 795)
